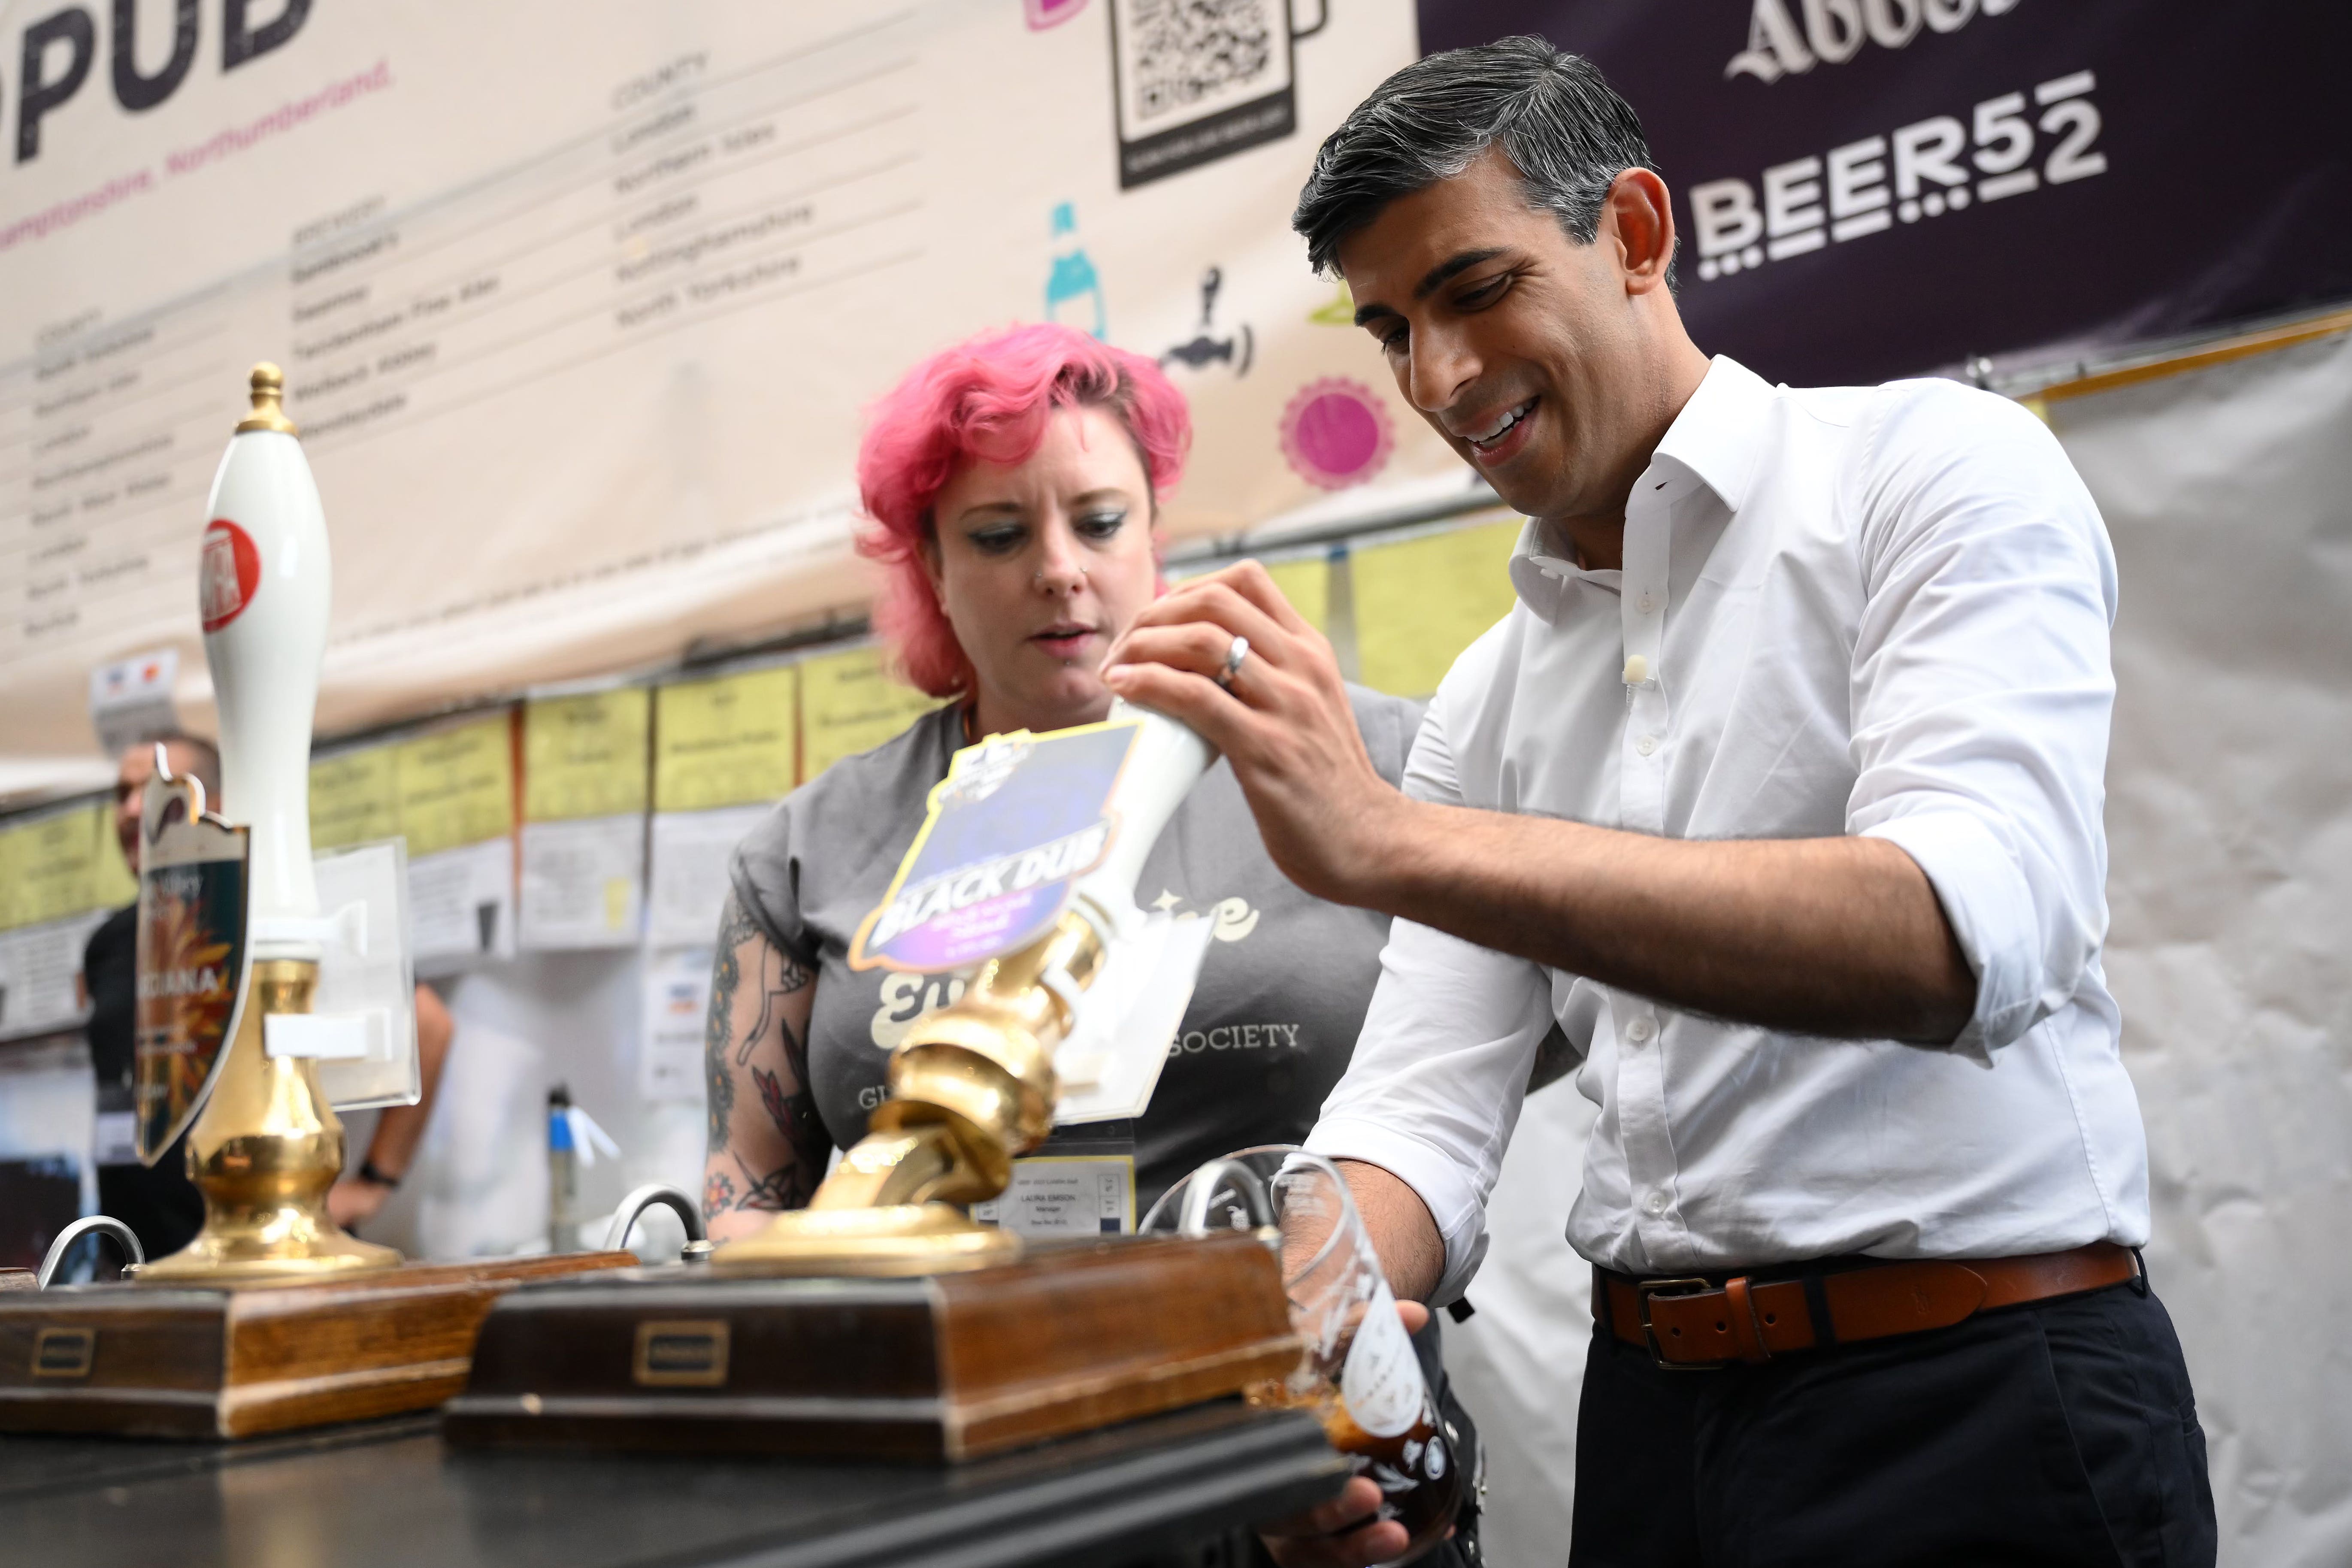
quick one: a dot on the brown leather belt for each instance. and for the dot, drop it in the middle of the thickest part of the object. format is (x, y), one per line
(1700, 1322)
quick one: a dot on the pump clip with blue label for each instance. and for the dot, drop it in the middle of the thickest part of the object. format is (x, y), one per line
(1021, 880)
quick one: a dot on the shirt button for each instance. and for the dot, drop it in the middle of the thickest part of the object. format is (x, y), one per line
(1655, 1202)
(1646, 603)
(1646, 744)
(1639, 1030)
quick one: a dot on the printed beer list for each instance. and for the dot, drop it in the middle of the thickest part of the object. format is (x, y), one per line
(584, 792)
(454, 790)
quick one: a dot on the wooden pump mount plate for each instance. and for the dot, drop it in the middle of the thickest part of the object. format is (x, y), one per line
(1072, 1336)
(238, 1360)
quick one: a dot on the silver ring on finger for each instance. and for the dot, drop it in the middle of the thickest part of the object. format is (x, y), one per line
(1233, 656)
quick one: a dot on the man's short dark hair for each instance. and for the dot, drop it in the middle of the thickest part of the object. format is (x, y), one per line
(1560, 123)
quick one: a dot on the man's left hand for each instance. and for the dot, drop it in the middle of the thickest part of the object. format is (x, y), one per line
(1284, 721)
(1346, 1531)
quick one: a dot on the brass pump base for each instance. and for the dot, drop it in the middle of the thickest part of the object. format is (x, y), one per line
(264, 1154)
(896, 1241)
(971, 1087)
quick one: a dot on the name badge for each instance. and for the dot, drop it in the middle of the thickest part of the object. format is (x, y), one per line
(1071, 1186)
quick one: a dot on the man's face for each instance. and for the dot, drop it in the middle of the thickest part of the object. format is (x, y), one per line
(131, 776)
(1520, 346)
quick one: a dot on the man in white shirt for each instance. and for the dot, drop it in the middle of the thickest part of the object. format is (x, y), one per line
(1779, 793)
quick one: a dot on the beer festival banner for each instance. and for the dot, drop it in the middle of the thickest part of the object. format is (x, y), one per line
(1874, 188)
(580, 303)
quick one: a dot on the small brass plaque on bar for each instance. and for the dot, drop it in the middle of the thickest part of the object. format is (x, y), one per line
(64, 1352)
(690, 1355)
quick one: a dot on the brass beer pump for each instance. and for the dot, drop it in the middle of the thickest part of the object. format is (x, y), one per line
(264, 1153)
(974, 1085)
(300, 1323)
(971, 1086)
(268, 1146)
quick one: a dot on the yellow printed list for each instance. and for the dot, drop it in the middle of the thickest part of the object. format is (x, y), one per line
(729, 741)
(585, 755)
(850, 704)
(455, 786)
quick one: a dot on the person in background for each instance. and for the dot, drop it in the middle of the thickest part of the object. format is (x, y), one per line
(159, 1201)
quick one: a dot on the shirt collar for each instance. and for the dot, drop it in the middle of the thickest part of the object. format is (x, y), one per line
(1717, 439)
(1719, 436)
(1540, 578)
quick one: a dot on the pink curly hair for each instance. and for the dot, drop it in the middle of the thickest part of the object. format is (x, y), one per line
(988, 399)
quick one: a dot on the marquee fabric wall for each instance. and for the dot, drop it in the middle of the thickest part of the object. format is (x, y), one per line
(2229, 888)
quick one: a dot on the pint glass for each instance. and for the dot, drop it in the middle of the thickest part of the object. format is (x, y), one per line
(1360, 1375)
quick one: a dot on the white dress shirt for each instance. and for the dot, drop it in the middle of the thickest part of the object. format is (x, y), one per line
(1879, 611)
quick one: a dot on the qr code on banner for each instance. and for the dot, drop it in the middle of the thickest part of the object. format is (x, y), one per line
(1192, 54)
(1199, 80)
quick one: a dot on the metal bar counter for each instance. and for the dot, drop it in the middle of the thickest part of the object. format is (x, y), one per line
(391, 1492)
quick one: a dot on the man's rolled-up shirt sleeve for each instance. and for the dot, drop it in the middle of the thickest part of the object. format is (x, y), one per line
(1434, 1087)
(1982, 692)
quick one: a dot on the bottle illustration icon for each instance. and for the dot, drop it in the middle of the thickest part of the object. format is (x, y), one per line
(1073, 295)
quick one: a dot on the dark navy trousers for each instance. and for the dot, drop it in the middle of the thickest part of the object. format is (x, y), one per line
(2061, 1432)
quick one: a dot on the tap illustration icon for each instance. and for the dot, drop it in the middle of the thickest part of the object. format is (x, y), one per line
(1204, 350)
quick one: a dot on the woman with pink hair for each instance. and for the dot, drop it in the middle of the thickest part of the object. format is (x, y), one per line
(1013, 486)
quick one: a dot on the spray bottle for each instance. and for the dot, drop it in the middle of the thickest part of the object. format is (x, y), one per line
(562, 1174)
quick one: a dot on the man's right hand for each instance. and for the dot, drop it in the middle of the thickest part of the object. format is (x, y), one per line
(1320, 1538)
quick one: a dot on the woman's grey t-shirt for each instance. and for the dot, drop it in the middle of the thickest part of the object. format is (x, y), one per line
(1273, 1019)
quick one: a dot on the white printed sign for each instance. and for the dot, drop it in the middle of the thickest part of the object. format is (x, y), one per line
(461, 905)
(583, 882)
(690, 851)
(537, 280)
(676, 1002)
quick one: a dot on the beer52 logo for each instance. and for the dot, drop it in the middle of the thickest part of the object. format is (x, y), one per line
(2007, 146)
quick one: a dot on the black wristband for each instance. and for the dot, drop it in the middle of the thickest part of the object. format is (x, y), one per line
(368, 1172)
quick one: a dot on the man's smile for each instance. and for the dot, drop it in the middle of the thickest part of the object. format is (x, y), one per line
(1502, 436)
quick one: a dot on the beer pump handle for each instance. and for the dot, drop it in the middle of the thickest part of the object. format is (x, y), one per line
(1168, 760)
(267, 1148)
(265, 597)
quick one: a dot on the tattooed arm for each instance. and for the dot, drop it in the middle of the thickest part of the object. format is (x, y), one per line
(767, 1149)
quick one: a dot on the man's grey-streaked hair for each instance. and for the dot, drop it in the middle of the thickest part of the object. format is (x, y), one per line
(1559, 123)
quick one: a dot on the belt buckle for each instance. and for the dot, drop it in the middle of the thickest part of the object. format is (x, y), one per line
(1691, 1285)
